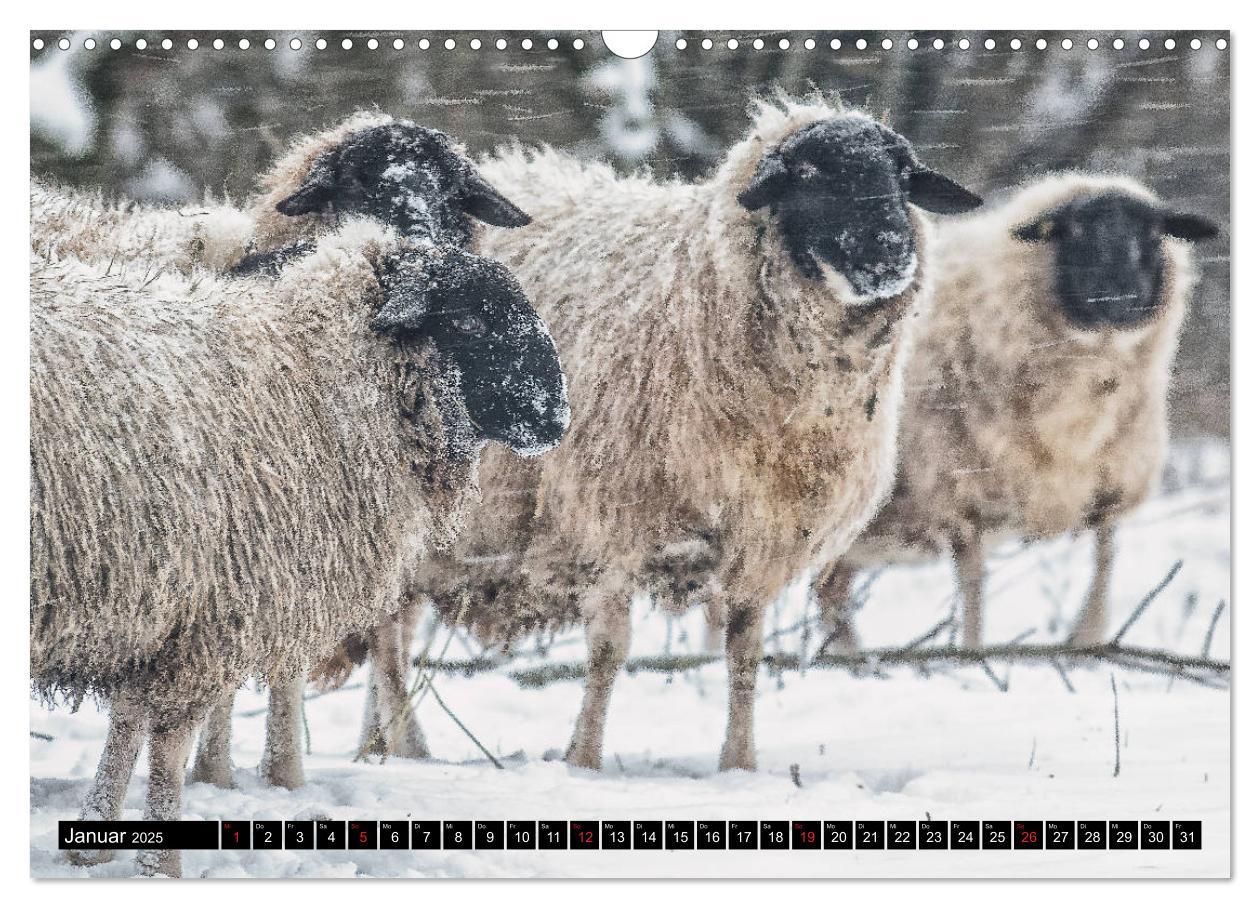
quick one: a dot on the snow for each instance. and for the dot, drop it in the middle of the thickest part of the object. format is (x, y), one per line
(61, 111)
(901, 747)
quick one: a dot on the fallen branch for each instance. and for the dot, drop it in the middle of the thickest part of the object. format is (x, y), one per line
(1060, 656)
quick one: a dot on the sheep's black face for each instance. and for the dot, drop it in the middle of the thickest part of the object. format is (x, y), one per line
(1109, 256)
(407, 176)
(841, 191)
(479, 319)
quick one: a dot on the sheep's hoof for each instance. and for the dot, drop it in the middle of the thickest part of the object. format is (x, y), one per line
(218, 776)
(90, 858)
(411, 750)
(283, 773)
(584, 757)
(737, 758)
(159, 863)
(1083, 638)
(289, 779)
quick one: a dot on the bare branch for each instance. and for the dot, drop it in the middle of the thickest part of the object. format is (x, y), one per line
(1211, 631)
(1146, 600)
(1115, 699)
(1205, 671)
(1067, 682)
(462, 727)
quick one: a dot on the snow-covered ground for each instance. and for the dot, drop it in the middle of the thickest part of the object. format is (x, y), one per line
(951, 746)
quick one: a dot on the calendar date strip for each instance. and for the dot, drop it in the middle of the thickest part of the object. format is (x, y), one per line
(637, 835)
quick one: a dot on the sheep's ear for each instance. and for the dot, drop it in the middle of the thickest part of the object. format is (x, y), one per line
(485, 203)
(768, 183)
(937, 193)
(316, 191)
(1193, 227)
(1037, 231)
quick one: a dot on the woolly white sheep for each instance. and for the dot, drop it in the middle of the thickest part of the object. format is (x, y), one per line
(735, 350)
(417, 180)
(229, 475)
(1035, 401)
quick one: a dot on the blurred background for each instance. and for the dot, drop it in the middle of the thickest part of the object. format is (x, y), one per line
(171, 125)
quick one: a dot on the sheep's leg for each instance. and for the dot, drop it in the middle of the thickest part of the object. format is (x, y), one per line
(282, 753)
(836, 609)
(969, 565)
(168, 759)
(104, 800)
(213, 762)
(408, 619)
(743, 659)
(607, 645)
(390, 726)
(1091, 624)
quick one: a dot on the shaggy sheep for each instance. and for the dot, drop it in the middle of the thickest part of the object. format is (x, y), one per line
(86, 225)
(735, 349)
(1035, 400)
(417, 180)
(229, 475)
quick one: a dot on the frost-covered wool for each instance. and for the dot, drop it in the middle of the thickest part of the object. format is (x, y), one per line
(436, 197)
(1016, 423)
(228, 476)
(144, 238)
(733, 421)
(279, 407)
(133, 236)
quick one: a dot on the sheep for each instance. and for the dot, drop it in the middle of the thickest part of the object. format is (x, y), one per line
(1036, 400)
(87, 225)
(230, 475)
(417, 180)
(735, 348)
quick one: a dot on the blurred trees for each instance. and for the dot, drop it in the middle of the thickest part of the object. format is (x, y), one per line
(173, 124)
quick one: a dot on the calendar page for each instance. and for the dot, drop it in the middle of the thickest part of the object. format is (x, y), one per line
(563, 454)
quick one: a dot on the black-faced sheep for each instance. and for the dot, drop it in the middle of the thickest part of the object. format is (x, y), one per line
(228, 475)
(735, 350)
(1035, 401)
(417, 180)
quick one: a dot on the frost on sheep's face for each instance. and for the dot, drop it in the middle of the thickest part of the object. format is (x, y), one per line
(1109, 256)
(482, 325)
(840, 190)
(412, 178)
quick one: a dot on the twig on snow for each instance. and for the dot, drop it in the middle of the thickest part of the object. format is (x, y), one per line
(1115, 699)
(462, 727)
(1211, 631)
(1146, 601)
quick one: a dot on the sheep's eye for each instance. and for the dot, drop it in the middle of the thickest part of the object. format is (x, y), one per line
(470, 324)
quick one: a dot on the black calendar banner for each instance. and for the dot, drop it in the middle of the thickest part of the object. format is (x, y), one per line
(639, 835)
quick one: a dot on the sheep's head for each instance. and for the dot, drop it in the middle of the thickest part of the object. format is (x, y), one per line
(479, 320)
(1109, 255)
(412, 178)
(840, 189)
